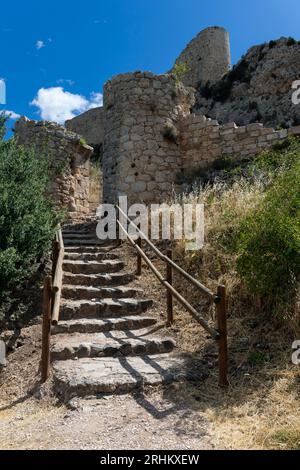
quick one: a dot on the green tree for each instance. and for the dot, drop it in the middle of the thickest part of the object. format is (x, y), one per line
(27, 218)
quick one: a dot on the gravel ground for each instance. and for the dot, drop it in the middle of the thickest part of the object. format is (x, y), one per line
(124, 422)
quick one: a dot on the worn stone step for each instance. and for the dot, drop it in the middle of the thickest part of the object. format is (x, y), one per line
(92, 267)
(71, 232)
(102, 309)
(96, 293)
(95, 325)
(85, 242)
(105, 248)
(93, 256)
(109, 344)
(98, 280)
(93, 376)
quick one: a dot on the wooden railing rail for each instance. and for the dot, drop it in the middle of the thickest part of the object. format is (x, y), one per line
(51, 301)
(164, 258)
(59, 252)
(220, 299)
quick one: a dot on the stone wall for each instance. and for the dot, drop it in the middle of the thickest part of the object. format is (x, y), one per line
(141, 139)
(89, 125)
(207, 57)
(69, 167)
(204, 140)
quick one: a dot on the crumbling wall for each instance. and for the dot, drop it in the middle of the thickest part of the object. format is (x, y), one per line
(141, 139)
(69, 162)
(207, 57)
(204, 140)
(90, 126)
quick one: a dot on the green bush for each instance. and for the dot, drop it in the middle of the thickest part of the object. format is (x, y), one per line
(269, 238)
(27, 218)
(179, 71)
(291, 41)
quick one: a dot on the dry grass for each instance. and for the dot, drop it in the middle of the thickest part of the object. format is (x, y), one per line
(260, 410)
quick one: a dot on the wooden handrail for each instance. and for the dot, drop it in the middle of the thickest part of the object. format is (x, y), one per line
(51, 301)
(46, 328)
(220, 298)
(213, 332)
(57, 277)
(167, 260)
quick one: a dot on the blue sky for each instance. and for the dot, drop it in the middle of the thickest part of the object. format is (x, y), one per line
(74, 47)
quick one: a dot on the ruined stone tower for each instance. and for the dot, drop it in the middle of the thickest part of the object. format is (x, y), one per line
(207, 57)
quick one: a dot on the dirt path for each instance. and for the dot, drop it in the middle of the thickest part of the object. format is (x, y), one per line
(124, 422)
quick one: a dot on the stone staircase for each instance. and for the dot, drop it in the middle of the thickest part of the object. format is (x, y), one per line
(103, 341)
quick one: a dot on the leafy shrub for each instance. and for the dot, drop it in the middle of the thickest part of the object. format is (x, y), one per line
(253, 105)
(27, 218)
(170, 133)
(269, 240)
(206, 91)
(291, 41)
(221, 90)
(272, 44)
(179, 71)
(240, 72)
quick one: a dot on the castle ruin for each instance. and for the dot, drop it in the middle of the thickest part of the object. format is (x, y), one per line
(149, 133)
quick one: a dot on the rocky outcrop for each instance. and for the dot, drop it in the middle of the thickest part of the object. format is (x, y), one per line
(258, 89)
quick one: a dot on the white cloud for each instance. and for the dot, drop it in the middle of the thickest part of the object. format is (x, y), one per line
(56, 104)
(10, 114)
(61, 81)
(96, 100)
(39, 45)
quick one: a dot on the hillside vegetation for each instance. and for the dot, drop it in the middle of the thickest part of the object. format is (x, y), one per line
(27, 218)
(252, 223)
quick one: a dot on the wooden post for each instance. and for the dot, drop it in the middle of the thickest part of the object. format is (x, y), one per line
(47, 300)
(169, 279)
(55, 254)
(139, 258)
(222, 341)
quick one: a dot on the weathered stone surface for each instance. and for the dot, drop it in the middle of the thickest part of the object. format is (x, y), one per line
(138, 109)
(90, 256)
(119, 343)
(89, 125)
(262, 88)
(94, 293)
(92, 376)
(207, 57)
(69, 157)
(94, 325)
(104, 308)
(92, 267)
(98, 280)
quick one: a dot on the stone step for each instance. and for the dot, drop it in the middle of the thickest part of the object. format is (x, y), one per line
(92, 267)
(94, 325)
(79, 235)
(85, 242)
(88, 249)
(71, 232)
(109, 344)
(96, 293)
(98, 280)
(93, 256)
(103, 309)
(93, 376)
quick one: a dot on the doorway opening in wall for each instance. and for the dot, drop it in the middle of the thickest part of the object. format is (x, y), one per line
(96, 178)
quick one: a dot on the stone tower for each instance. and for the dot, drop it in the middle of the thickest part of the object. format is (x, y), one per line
(207, 57)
